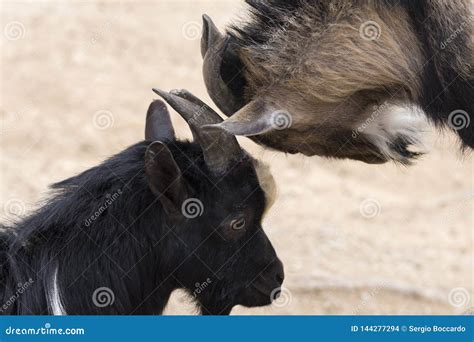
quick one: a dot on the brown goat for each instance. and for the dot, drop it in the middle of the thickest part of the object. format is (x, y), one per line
(332, 77)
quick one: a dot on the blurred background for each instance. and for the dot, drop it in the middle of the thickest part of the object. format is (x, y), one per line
(76, 79)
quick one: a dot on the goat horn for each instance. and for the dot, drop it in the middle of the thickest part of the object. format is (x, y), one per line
(254, 118)
(219, 147)
(158, 123)
(214, 47)
(210, 34)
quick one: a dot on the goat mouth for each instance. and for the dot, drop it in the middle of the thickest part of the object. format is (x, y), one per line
(273, 145)
(269, 292)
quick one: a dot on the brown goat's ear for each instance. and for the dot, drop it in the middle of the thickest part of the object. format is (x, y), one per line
(164, 176)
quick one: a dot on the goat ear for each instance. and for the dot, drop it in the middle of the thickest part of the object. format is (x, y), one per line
(158, 123)
(164, 176)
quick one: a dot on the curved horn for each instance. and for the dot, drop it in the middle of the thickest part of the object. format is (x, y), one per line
(219, 148)
(254, 118)
(210, 34)
(215, 50)
(158, 123)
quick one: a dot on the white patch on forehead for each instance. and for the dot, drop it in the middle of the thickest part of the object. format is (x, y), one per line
(393, 122)
(54, 296)
(267, 182)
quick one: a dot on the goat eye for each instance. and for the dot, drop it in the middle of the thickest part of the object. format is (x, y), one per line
(238, 224)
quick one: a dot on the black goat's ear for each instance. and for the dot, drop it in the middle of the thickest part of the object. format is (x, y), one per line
(158, 122)
(164, 176)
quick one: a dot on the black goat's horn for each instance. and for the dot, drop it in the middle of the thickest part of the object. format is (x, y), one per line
(219, 147)
(215, 49)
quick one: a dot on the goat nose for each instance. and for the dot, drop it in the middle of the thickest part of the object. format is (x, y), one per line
(279, 272)
(279, 277)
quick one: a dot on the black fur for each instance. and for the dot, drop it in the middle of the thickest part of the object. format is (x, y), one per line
(134, 248)
(444, 90)
(265, 15)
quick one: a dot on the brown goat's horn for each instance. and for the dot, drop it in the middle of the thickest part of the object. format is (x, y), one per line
(219, 147)
(158, 123)
(214, 48)
(255, 118)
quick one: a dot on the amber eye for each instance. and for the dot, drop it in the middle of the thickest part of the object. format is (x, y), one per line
(238, 224)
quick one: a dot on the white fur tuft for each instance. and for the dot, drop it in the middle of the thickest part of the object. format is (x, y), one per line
(395, 122)
(54, 296)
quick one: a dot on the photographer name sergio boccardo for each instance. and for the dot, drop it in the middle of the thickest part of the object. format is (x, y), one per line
(436, 329)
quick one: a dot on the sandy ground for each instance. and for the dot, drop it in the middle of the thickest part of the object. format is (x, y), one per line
(355, 239)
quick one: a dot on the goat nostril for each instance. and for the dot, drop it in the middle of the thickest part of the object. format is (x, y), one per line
(280, 277)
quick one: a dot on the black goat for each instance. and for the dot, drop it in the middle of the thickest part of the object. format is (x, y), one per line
(161, 215)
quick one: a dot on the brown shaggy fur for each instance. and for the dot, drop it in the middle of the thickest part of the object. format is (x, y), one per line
(316, 60)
